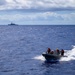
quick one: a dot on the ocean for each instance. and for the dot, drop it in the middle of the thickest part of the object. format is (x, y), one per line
(21, 49)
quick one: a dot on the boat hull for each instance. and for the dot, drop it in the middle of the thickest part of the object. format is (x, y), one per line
(51, 57)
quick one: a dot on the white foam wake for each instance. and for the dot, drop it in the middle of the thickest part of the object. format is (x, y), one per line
(39, 57)
(70, 55)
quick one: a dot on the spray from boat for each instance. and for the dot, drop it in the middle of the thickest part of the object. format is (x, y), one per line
(70, 55)
(39, 57)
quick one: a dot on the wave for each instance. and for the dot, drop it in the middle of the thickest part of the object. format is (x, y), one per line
(69, 53)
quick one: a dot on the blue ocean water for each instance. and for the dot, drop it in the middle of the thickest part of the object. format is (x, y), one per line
(21, 48)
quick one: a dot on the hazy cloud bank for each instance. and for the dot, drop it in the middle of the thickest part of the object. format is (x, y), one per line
(38, 5)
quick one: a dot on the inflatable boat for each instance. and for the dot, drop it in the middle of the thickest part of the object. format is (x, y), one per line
(52, 57)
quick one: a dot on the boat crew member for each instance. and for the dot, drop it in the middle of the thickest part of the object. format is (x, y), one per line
(48, 50)
(62, 52)
(52, 52)
(57, 51)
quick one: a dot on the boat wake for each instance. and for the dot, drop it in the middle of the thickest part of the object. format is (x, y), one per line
(70, 55)
(39, 57)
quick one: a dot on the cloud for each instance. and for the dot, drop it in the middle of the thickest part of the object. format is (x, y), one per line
(38, 5)
(38, 18)
(2, 2)
(47, 16)
(44, 11)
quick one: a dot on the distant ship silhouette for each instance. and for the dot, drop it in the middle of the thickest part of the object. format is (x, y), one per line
(12, 24)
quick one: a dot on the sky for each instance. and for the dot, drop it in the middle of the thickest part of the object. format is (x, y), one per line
(37, 12)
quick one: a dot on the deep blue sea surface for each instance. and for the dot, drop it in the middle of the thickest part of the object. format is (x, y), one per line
(21, 48)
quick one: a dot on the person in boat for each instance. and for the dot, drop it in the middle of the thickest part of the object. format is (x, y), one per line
(52, 52)
(57, 52)
(48, 50)
(62, 52)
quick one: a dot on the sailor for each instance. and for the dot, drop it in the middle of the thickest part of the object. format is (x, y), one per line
(52, 52)
(48, 50)
(62, 52)
(57, 51)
